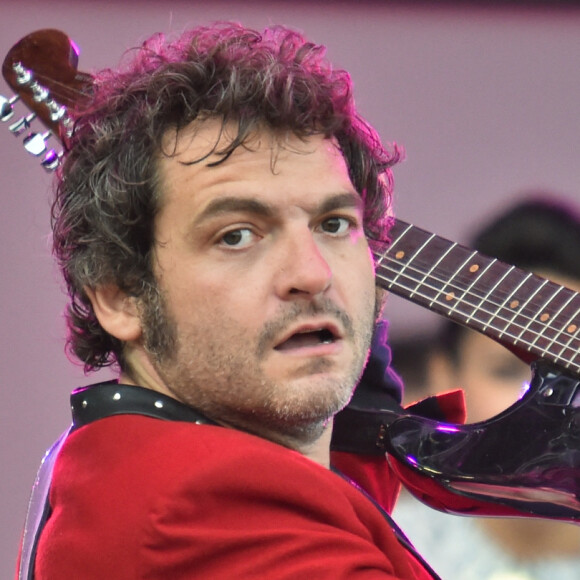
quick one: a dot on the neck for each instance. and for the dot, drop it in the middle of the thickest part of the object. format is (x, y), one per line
(319, 450)
(315, 446)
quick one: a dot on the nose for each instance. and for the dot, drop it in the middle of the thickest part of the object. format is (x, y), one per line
(303, 271)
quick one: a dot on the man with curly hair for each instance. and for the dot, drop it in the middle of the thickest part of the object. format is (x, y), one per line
(213, 220)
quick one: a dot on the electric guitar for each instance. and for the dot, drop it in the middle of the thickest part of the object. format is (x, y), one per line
(533, 317)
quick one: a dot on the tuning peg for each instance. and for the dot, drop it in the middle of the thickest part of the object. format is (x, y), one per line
(51, 160)
(22, 124)
(35, 143)
(39, 92)
(6, 108)
(57, 112)
(23, 75)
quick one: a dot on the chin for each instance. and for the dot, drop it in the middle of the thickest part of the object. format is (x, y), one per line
(316, 402)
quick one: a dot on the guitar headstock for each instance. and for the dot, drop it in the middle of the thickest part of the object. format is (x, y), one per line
(41, 69)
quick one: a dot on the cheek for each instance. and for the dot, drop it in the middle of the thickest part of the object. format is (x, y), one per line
(359, 272)
(219, 309)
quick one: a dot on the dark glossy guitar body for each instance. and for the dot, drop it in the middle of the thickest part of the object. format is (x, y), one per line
(524, 461)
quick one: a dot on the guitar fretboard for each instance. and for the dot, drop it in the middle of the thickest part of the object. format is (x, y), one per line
(517, 308)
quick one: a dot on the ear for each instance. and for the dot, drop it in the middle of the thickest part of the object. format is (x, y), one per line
(117, 313)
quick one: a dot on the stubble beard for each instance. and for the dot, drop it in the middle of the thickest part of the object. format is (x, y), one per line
(212, 382)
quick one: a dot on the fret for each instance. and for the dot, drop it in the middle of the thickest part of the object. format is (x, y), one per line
(417, 253)
(568, 327)
(513, 300)
(424, 263)
(392, 248)
(572, 326)
(549, 324)
(519, 309)
(509, 303)
(428, 274)
(450, 295)
(515, 307)
(548, 317)
(476, 282)
(536, 318)
(527, 319)
(483, 300)
(487, 296)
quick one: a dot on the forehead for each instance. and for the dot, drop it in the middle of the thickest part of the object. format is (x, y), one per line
(206, 141)
(194, 162)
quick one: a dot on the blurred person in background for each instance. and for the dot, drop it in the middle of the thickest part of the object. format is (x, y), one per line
(542, 235)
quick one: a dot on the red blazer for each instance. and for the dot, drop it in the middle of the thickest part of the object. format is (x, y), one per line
(141, 498)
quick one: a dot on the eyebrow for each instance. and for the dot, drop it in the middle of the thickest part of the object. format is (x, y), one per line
(341, 201)
(226, 205)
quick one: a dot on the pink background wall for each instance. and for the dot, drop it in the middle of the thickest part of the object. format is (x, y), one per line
(485, 101)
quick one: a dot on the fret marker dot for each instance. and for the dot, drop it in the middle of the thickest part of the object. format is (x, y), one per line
(514, 303)
(544, 317)
(450, 296)
(474, 268)
(572, 328)
(400, 254)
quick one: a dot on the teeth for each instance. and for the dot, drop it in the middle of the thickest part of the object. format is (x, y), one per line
(326, 336)
(308, 338)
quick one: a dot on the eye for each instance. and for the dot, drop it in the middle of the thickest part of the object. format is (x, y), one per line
(337, 225)
(240, 238)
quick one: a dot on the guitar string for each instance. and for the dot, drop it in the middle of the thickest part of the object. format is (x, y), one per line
(67, 93)
(66, 87)
(565, 346)
(567, 354)
(467, 293)
(470, 290)
(459, 314)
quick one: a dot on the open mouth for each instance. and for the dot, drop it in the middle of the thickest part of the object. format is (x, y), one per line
(308, 338)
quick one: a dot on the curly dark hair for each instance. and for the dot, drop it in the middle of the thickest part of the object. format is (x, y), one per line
(108, 194)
